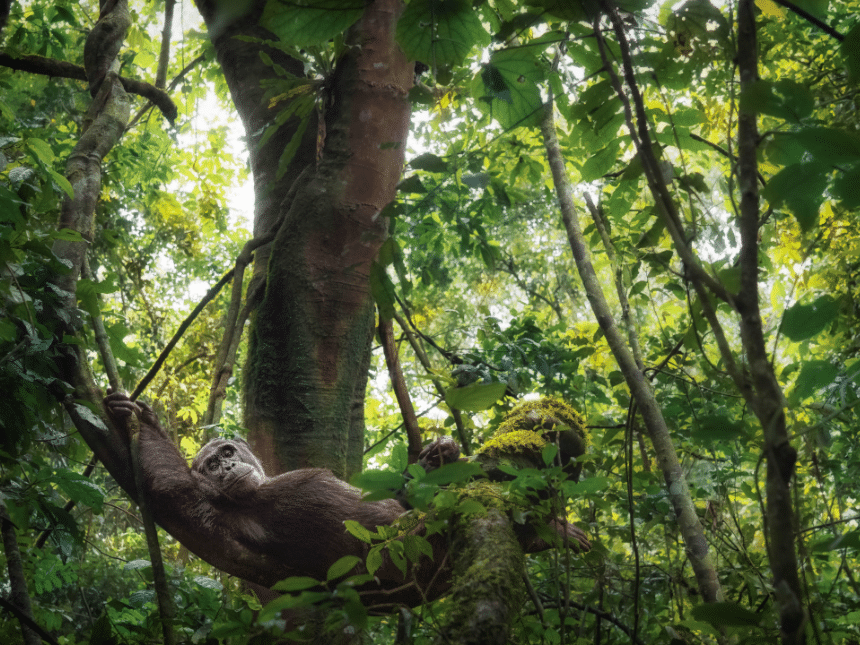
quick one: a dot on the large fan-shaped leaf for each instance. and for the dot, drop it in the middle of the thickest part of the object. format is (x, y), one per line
(440, 32)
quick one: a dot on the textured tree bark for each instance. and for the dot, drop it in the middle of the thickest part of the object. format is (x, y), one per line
(767, 403)
(310, 341)
(488, 589)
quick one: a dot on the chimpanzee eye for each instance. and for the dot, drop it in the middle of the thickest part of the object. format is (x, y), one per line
(228, 451)
(212, 464)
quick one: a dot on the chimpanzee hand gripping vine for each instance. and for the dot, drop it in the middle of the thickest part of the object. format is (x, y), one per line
(264, 529)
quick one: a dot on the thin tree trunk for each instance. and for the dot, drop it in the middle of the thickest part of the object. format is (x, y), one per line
(667, 458)
(767, 401)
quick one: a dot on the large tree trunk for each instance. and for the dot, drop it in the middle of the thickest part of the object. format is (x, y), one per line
(310, 342)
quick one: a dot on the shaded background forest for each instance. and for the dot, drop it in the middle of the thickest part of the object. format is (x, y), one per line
(479, 288)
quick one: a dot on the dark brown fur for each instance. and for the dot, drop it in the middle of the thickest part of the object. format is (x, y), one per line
(265, 529)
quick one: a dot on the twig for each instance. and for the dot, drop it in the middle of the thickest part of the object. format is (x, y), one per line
(401, 393)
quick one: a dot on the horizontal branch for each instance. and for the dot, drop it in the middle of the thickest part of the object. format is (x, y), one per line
(62, 69)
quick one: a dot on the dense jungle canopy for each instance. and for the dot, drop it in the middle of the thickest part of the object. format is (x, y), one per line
(446, 208)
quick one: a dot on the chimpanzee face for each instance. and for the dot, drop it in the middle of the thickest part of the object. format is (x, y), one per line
(230, 466)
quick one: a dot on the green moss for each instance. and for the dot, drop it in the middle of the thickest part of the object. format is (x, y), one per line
(542, 416)
(487, 493)
(515, 441)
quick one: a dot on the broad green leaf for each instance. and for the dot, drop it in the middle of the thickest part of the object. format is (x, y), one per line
(134, 565)
(831, 145)
(208, 583)
(588, 486)
(374, 559)
(601, 162)
(40, 149)
(849, 540)
(814, 376)
(302, 23)
(79, 489)
(783, 99)
(784, 149)
(846, 188)
(450, 473)
(717, 429)
(507, 88)
(296, 583)
(412, 184)
(357, 530)
(62, 182)
(800, 322)
(440, 32)
(564, 9)
(379, 484)
(429, 162)
(801, 188)
(725, 614)
(471, 507)
(475, 397)
(383, 290)
(850, 49)
(343, 566)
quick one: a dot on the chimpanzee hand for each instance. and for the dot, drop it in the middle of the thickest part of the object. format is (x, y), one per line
(567, 533)
(120, 408)
(442, 451)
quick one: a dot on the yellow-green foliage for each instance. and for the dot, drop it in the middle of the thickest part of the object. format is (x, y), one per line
(534, 415)
(487, 493)
(515, 441)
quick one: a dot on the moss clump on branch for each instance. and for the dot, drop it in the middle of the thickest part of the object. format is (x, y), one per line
(514, 441)
(528, 428)
(543, 416)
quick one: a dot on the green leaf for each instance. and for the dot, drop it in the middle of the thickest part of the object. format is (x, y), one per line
(355, 529)
(208, 583)
(814, 376)
(449, 473)
(296, 583)
(600, 162)
(590, 486)
(471, 507)
(846, 188)
(62, 182)
(430, 163)
(784, 149)
(475, 397)
(564, 9)
(302, 23)
(849, 540)
(40, 149)
(382, 289)
(801, 188)
(79, 489)
(548, 453)
(412, 184)
(783, 99)
(850, 49)
(725, 614)
(379, 484)
(343, 566)
(800, 322)
(440, 32)
(830, 145)
(374, 559)
(507, 89)
(717, 429)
